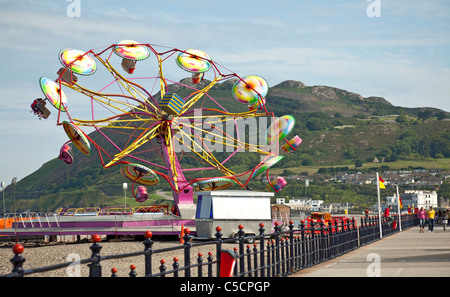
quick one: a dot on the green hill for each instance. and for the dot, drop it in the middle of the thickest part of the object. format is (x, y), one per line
(337, 127)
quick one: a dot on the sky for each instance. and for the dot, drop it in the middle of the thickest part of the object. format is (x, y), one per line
(396, 49)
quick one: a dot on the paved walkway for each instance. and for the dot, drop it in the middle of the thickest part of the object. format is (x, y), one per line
(405, 254)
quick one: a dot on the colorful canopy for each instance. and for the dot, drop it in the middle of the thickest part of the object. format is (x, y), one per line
(77, 137)
(277, 184)
(131, 50)
(79, 61)
(194, 61)
(53, 93)
(249, 89)
(215, 184)
(266, 165)
(292, 144)
(140, 174)
(280, 128)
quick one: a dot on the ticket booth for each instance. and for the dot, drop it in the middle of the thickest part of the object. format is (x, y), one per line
(229, 209)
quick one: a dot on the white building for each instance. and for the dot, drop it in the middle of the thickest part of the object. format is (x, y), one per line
(413, 199)
(315, 205)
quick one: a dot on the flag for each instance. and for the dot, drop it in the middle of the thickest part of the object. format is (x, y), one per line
(400, 202)
(381, 181)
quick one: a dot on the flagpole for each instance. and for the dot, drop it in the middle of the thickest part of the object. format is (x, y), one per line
(379, 205)
(399, 211)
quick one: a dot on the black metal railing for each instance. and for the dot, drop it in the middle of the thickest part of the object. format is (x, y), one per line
(281, 253)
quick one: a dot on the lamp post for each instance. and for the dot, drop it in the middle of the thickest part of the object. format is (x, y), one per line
(13, 183)
(125, 187)
(399, 211)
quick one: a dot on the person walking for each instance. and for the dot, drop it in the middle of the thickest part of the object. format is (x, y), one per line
(444, 218)
(431, 214)
(421, 215)
(387, 217)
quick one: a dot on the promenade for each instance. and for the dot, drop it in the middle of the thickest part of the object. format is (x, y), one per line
(404, 254)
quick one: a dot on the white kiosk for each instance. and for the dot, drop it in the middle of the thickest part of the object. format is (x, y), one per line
(229, 209)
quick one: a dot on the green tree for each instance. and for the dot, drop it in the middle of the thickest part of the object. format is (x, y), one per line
(441, 115)
(403, 118)
(393, 157)
(287, 172)
(316, 124)
(424, 115)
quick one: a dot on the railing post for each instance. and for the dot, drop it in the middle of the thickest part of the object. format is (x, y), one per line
(18, 260)
(162, 268)
(218, 248)
(235, 266)
(255, 258)
(342, 238)
(322, 242)
(148, 243)
(355, 234)
(283, 266)
(277, 249)
(175, 266)
(261, 248)
(313, 244)
(297, 253)
(303, 245)
(95, 269)
(114, 272)
(329, 240)
(132, 271)
(286, 258)
(187, 252)
(210, 259)
(268, 258)
(199, 262)
(241, 250)
(249, 260)
(291, 247)
(347, 235)
(337, 236)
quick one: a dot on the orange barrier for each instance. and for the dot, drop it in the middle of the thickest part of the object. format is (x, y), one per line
(7, 223)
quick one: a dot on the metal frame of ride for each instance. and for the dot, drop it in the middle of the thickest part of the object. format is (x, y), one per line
(150, 120)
